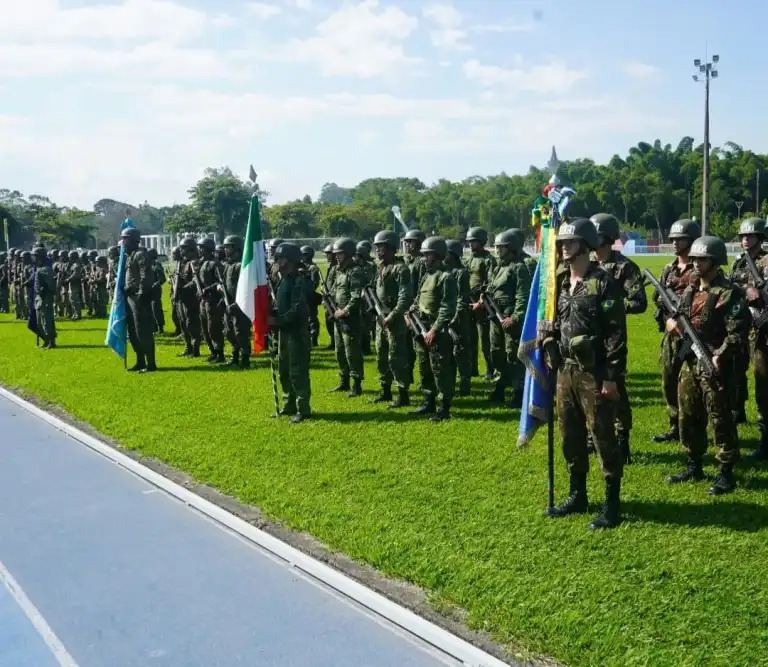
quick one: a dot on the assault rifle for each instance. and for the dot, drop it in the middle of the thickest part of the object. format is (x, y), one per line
(176, 279)
(375, 304)
(223, 289)
(491, 307)
(196, 280)
(759, 316)
(672, 305)
(329, 303)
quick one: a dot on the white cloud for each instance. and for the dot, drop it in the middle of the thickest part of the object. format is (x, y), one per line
(306, 5)
(262, 10)
(638, 70)
(555, 77)
(503, 27)
(449, 33)
(357, 40)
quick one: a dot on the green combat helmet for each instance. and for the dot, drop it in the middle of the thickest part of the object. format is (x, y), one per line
(364, 250)
(754, 226)
(113, 251)
(607, 226)
(455, 248)
(26, 255)
(388, 238)
(152, 253)
(477, 234)
(415, 235)
(509, 239)
(208, 244)
(74, 255)
(101, 260)
(84, 255)
(274, 243)
(580, 229)
(710, 247)
(93, 254)
(684, 229)
(436, 245)
(307, 252)
(234, 240)
(289, 251)
(39, 251)
(345, 245)
(188, 244)
(328, 250)
(135, 234)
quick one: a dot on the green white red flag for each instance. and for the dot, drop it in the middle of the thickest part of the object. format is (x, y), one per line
(252, 292)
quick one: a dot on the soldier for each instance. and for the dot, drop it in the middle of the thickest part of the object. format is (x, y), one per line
(25, 282)
(84, 283)
(211, 307)
(238, 326)
(19, 277)
(368, 321)
(221, 253)
(4, 282)
(463, 321)
(273, 275)
(719, 313)
(392, 285)
(156, 298)
(480, 265)
(175, 274)
(188, 304)
(435, 304)
(45, 289)
(314, 276)
(291, 319)
(589, 348)
(415, 263)
(630, 280)
(62, 284)
(347, 286)
(676, 276)
(90, 282)
(330, 274)
(509, 285)
(99, 287)
(530, 262)
(752, 235)
(138, 295)
(75, 284)
(113, 257)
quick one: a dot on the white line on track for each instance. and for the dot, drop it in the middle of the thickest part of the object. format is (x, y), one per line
(36, 618)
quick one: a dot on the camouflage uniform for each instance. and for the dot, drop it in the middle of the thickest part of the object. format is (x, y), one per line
(462, 322)
(314, 277)
(330, 272)
(211, 305)
(138, 293)
(75, 282)
(45, 289)
(4, 282)
(187, 301)
(238, 326)
(100, 295)
(158, 280)
(417, 268)
(480, 265)
(368, 317)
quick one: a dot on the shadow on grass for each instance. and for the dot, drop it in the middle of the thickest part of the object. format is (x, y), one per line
(736, 515)
(91, 329)
(80, 347)
(383, 416)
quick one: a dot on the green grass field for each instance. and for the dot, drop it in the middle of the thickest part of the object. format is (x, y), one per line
(453, 507)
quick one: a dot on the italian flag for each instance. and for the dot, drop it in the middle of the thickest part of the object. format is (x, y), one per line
(252, 293)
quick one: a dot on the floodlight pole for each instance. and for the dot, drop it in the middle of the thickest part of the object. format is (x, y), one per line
(709, 72)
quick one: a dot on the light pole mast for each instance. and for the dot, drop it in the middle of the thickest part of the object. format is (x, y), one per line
(707, 69)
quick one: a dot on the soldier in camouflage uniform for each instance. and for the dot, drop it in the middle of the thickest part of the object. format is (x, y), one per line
(530, 262)
(62, 284)
(273, 275)
(719, 313)
(90, 289)
(392, 285)
(187, 301)
(45, 289)
(291, 319)
(99, 286)
(509, 285)
(158, 280)
(23, 262)
(238, 326)
(75, 284)
(211, 305)
(676, 276)
(480, 265)
(414, 260)
(330, 322)
(364, 261)
(54, 257)
(113, 260)
(221, 253)
(4, 283)
(347, 288)
(590, 350)
(138, 295)
(314, 277)
(752, 234)
(462, 322)
(177, 259)
(629, 278)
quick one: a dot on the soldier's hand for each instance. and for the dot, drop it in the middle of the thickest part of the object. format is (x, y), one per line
(507, 323)
(477, 306)
(387, 321)
(716, 363)
(339, 314)
(429, 337)
(610, 390)
(753, 294)
(672, 326)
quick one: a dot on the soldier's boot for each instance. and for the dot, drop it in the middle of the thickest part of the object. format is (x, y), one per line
(465, 387)
(195, 350)
(298, 418)
(357, 388)
(384, 395)
(403, 399)
(220, 358)
(235, 359)
(314, 340)
(725, 483)
(245, 361)
(342, 386)
(497, 395)
(610, 514)
(576, 502)
(692, 472)
(139, 366)
(427, 406)
(212, 357)
(186, 353)
(673, 435)
(517, 400)
(761, 453)
(626, 452)
(490, 373)
(443, 413)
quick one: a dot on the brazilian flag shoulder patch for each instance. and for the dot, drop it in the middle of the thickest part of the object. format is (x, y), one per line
(608, 304)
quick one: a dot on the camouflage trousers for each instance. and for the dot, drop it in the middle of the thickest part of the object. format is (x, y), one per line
(46, 325)
(139, 317)
(189, 318)
(480, 340)
(349, 348)
(238, 330)
(504, 346)
(294, 348)
(212, 324)
(670, 372)
(100, 301)
(20, 303)
(740, 395)
(76, 301)
(64, 302)
(582, 410)
(623, 408)
(392, 354)
(4, 299)
(759, 353)
(705, 401)
(437, 367)
(157, 309)
(462, 348)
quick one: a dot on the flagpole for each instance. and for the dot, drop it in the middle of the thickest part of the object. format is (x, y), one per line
(551, 456)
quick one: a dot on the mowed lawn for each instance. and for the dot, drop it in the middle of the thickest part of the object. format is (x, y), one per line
(452, 507)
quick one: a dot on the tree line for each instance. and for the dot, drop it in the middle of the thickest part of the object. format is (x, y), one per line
(650, 188)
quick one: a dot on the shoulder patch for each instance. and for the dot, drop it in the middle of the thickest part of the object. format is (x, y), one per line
(607, 305)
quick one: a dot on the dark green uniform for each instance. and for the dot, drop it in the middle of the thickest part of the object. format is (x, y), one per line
(4, 284)
(45, 289)
(238, 326)
(158, 278)
(417, 268)
(392, 284)
(314, 277)
(138, 293)
(348, 282)
(480, 265)
(212, 309)
(462, 324)
(189, 309)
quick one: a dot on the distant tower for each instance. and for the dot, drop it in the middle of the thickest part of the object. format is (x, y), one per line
(553, 163)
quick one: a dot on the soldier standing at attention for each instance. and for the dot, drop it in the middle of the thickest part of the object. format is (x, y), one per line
(113, 256)
(480, 265)
(100, 295)
(392, 285)
(630, 280)
(62, 285)
(347, 292)
(75, 282)
(138, 295)
(676, 276)
(330, 322)
(45, 290)
(509, 285)
(590, 350)
(211, 311)
(4, 296)
(719, 313)
(462, 321)
(237, 324)
(752, 235)
(189, 306)
(158, 280)
(314, 276)
(364, 261)
(436, 306)
(415, 263)
(291, 319)
(175, 276)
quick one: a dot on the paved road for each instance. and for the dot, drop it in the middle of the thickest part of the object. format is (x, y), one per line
(124, 575)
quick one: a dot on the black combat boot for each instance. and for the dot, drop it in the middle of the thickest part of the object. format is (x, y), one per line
(245, 361)
(610, 514)
(673, 435)
(761, 453)
(235, 360)
(517, 400)
(427, 406)
(195, 350)
(443, 413)
(692, 472)
(497, 395)
(139, 366)
(342, 386)
(220, 358)
(490, 373)
(357, 388)
(384, 395)
(403, 399)
(725, 483)
(212, 357)
(298, 418)
(623, 442)
(465, 387)
(314, 340)
(186, 353)
(576, 502)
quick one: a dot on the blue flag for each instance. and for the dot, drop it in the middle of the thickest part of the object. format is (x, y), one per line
(117, 330)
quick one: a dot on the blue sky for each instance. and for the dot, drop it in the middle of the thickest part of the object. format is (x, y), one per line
(132, 99)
